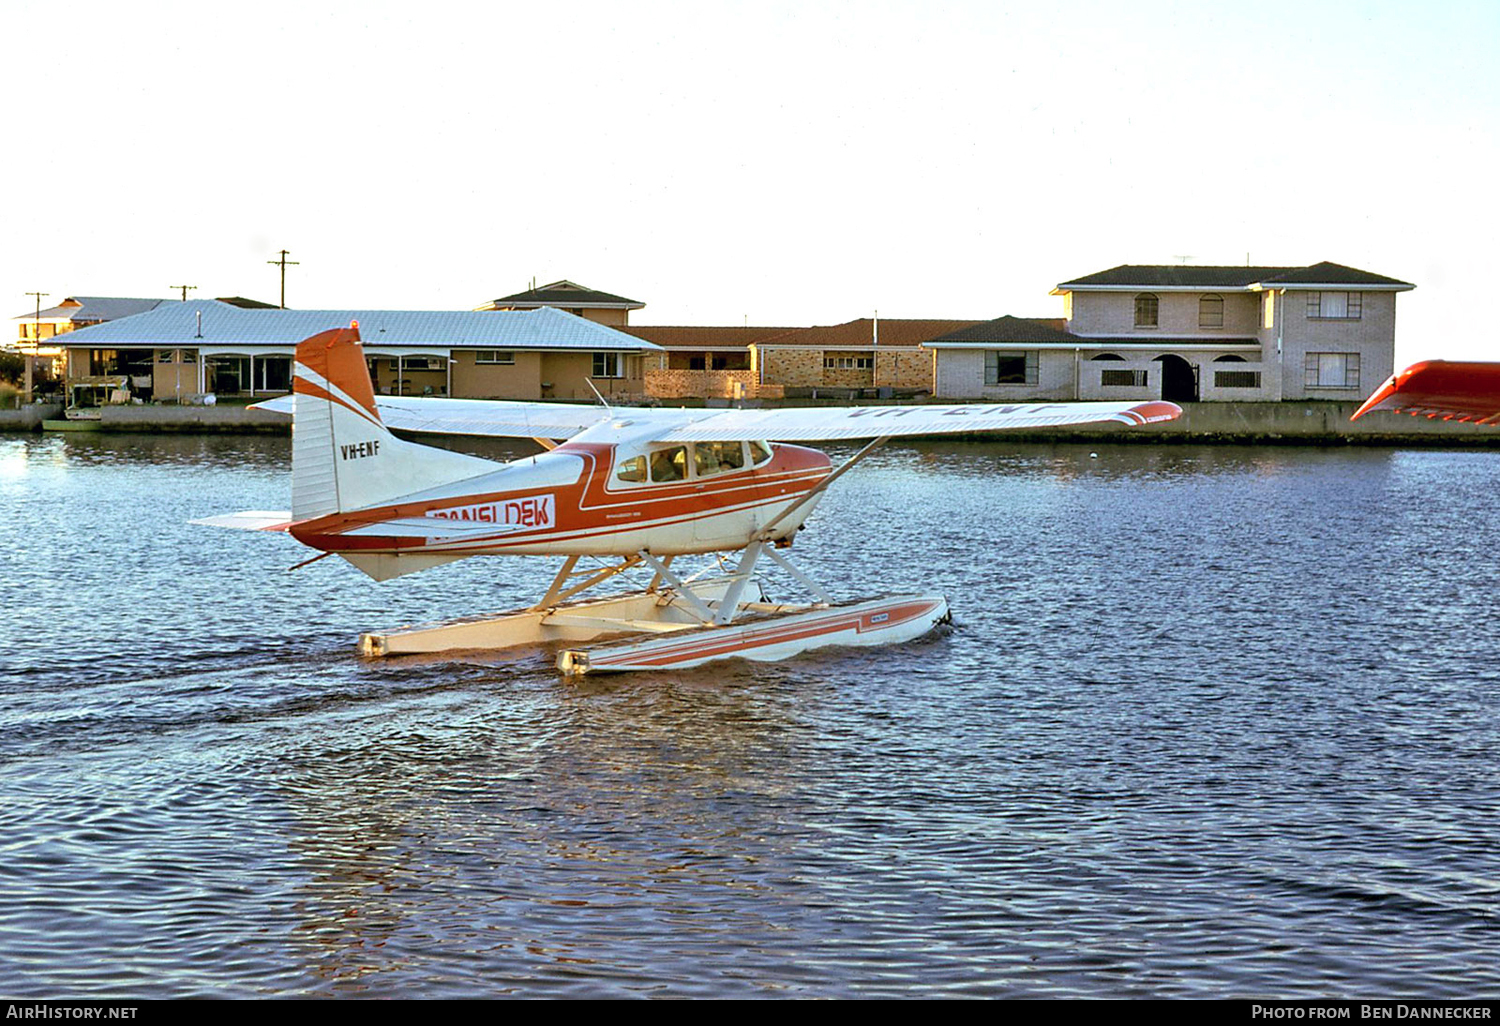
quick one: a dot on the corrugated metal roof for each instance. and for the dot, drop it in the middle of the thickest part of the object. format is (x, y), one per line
(93, 308)
(176, 323)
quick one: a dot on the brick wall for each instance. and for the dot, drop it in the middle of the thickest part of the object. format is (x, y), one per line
(678, 384)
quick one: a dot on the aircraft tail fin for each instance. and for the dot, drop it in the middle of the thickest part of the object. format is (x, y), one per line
(343, 457)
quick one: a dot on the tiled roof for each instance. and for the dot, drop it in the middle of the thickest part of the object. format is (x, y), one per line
(93, 308)
(863, 332)
(177, 323)
(704, 336)
(1046, 331)
(1221, 277)
(248, 304)
(1326, 273)
(566, 293)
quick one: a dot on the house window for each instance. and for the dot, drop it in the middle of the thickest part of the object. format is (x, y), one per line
(608, 365)
(501, 356)
(422, 363)
(1335, 306)
(1122, 378)
(1236, 379)
(1211, 311)
(848, 363)
(1332, 370)
(1145, 310)
(1010, 368)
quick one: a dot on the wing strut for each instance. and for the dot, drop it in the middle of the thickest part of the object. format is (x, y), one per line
(765, 532)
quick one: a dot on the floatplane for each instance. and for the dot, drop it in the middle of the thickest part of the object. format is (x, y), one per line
(632, 488)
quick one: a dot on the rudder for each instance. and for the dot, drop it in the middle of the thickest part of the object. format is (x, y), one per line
(343, 457)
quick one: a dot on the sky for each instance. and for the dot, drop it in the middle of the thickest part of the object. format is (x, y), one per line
(765, 163)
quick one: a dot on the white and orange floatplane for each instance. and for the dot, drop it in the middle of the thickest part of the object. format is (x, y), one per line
(638, 487)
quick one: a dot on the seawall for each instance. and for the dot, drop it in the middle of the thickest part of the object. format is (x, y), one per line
(1284, 423)
(29, 418)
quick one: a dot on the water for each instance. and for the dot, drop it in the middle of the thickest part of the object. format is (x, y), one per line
(1213, 722)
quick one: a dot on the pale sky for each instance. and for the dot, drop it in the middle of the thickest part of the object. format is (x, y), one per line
(785, 163)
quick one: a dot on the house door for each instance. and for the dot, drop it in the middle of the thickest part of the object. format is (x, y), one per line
(1179, 379)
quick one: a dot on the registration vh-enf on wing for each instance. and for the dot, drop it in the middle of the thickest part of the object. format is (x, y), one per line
(634, 487)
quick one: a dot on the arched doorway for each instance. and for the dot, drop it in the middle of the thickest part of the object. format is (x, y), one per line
(1179, 379)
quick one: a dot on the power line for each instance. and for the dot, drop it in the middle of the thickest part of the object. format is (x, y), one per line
(36, 339)
(283, 262)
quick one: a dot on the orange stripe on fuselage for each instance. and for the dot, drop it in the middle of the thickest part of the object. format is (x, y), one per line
(588, 508)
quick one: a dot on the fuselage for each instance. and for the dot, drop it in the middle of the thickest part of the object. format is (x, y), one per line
(591, 497)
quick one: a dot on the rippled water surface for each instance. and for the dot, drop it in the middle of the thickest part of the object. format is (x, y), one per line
(1212, 722)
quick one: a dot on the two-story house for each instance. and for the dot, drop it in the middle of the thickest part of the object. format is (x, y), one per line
(1188, 333)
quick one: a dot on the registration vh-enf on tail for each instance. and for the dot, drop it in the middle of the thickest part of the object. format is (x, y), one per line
(635, 488)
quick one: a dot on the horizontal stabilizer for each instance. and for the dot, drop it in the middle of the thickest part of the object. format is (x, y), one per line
(432, 527)
(250, 520)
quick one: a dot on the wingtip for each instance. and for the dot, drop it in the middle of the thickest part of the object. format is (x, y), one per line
(1155, 412)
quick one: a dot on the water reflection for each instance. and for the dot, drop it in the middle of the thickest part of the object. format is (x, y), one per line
(1202, 711)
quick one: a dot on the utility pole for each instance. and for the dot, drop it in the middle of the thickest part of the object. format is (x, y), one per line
(283, 264)
(184, 289)
(36, 338)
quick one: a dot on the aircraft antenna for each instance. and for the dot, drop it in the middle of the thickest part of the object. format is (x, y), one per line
(602, 400)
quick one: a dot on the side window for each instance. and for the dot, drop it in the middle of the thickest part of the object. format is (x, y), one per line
(669, 464)
(1145, 310)
(760, 452)
(632, 470)
(717, 457)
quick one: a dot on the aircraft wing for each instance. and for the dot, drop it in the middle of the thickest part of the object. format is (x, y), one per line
(800, 424)
(492, 417)
(812, 424)
(1440, 388)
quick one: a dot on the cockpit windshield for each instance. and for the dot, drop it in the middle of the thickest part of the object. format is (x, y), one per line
(669, 463)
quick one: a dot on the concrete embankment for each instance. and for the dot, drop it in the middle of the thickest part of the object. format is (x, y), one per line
(194, 419)
(28, 418)
(1285, 423)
